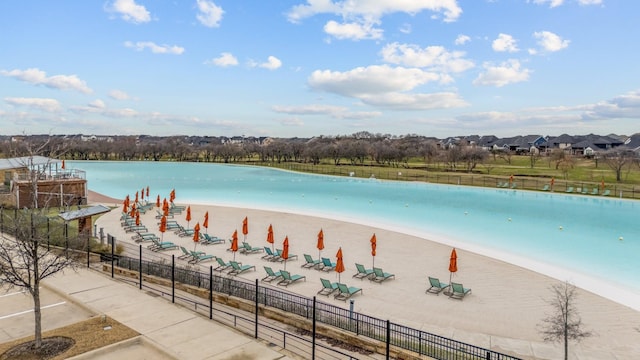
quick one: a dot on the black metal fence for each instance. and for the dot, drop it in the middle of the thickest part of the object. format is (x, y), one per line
(398, 335)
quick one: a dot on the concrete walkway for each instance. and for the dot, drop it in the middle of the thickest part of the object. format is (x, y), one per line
(168, 330)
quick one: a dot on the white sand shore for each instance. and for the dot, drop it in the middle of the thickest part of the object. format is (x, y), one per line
(502, 313)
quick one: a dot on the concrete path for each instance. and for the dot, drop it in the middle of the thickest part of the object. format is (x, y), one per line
(170, 328)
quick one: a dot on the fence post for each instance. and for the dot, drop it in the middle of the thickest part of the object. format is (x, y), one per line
(388, 339)
(113, 246)
(256, 330)
(210, 292)
(173, 278)
(88, 252)
(140, 266)
(313, 331)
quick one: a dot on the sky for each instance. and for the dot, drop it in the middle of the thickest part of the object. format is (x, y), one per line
(296, 68)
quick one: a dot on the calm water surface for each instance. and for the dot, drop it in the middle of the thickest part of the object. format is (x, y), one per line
(586, 236)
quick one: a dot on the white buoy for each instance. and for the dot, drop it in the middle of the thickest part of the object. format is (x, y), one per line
(620, 238)
(509, 219)
(560, 228)
(406, 205)
(466, 213)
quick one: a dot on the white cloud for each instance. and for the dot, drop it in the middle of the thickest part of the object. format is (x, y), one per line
(38, 77)
(352, 30)
(372, 79)
(506, 73)
(130, 11)
(590, 2)
(292, 122)
(434, 57)
(156, 49)
(338, 112)
(48, 105)
(552, 3)
(550, 42)
(209, 13)
(462, 39)
(505, 42)
(118, 95)
(225, 59)
(98, 104)
(272, 63)
(373, 9)
(405, 28)
(385, 86)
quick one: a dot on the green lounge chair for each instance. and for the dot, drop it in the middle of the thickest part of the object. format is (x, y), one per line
(514, 185)
(279, 256)
(594, 191)
(161, 214)
(199, 256)
(310, 262)
(248, 249)
(362, 272)
(186, 254)
(545, 187)
(135, 228)
(268, 254)
(327, 287)
(585, 191)
(222, 266)
(458, 291)
(327, 265)
(237, 269)
(436, 286)
(380, 276)
(570, 189)
(143, 237)
(271, 275)
(345, 292)
(210, 240)
(288, 279)
(158, 245)
(606, 192)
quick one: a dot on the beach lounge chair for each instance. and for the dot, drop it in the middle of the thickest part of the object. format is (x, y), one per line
(380, 276)
(606, 192)
(435, 286)
(327, 265)
(162, 245)
(310, 262)
(237, 269)
(142, 237)
(585, 191)
(280, 259)
(186, 254)
(545, 187)
(514, 185)
(288, 279)
(271, 275)
(594, 191)
(570, 189)
(248, 249)
(345, 292)
(268, 254)
(159, 215)
(327, 287)
(135, 228)
(199, 256)
(222, 266)
(362, 272)
(458, 291)
(207, 239)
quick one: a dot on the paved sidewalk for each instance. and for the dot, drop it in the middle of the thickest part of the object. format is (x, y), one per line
(176, 331)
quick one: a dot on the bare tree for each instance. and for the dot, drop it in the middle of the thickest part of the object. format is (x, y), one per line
(618, 159)
(564, 323)
(25, 258)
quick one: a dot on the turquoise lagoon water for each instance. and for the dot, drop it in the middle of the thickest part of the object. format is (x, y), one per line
(592, 241)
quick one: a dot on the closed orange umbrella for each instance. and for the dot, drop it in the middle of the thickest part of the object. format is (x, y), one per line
(205, 223)
(453, 264)
(373, 248)
(147, 191)
(125, 207)
(270, 235)
(133, 210)
(196, 235)
(142, 194)
(165, 207)
(63, 165)
(172, 195)
(158, 201)
(163, 225)
(137, 218)
(234, 244)
(339, 263)
(136, 201)
(285, 251)
(188, 217)
(320, 244)
(245, 227)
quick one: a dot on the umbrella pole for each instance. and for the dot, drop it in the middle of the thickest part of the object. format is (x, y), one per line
(285, 264)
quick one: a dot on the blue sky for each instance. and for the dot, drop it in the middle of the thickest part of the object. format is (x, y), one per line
(296, 68)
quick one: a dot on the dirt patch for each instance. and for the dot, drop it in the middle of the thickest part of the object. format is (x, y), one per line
(84, 336)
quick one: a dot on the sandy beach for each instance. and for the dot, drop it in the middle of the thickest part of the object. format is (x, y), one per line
(503, 311)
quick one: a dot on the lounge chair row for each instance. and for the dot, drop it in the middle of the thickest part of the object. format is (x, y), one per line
(276, 256)
(456, 290)
(234, 267)
(376, 274)
(343, 291)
